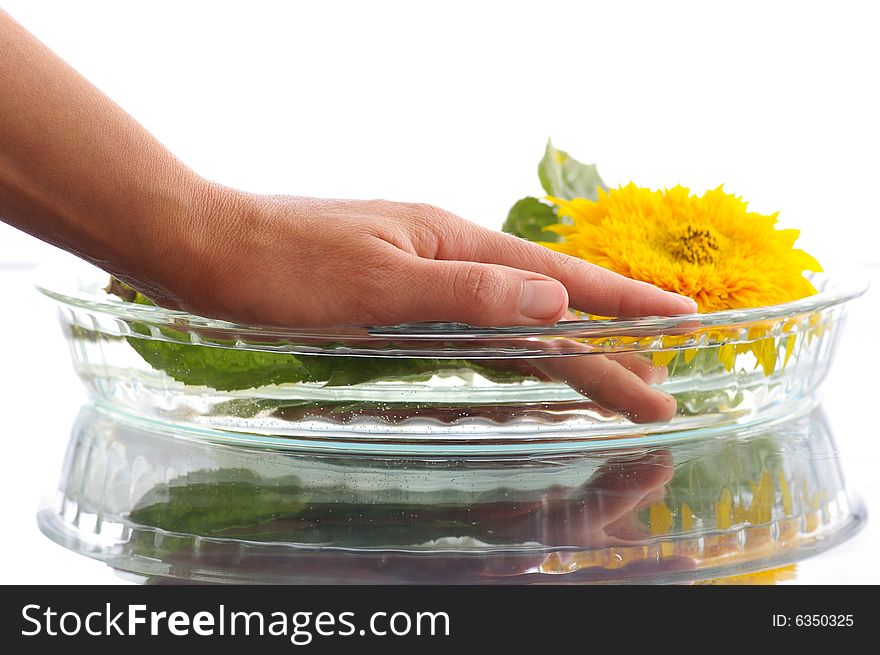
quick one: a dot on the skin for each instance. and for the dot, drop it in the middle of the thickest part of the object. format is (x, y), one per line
(80, 173)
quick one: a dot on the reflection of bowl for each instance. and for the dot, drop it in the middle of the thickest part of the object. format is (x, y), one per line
(447, 386)
(191, 503)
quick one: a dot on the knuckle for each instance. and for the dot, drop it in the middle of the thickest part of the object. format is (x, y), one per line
(638, 296)
(576, 268)
(511, 248)
(424, 212)
(478, 286)
(425, 226)
(576, 274)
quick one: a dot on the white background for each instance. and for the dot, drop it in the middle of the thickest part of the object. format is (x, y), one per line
(451, 104)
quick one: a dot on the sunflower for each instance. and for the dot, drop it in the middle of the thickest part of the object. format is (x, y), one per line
(709, 248)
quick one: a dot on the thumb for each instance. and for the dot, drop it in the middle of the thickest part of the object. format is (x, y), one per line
(480, 294)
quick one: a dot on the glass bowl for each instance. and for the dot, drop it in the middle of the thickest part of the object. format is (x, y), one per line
(447, 388)
(165, 502)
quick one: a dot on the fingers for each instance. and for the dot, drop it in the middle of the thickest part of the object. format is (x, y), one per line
(610, 385)
(591, 288)
(613, 493)
(641, 366)
(620, 487)
(628, 528)
(475, 293)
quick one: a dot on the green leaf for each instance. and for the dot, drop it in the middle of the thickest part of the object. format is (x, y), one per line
(230, 369)
(565, 177)
(238, 503)
(206, 502)
(734, 465)
(528, 218)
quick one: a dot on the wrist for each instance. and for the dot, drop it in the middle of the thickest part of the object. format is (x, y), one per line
(177, 256)
(206, 246)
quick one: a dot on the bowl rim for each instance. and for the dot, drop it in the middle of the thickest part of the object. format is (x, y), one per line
(58, 284)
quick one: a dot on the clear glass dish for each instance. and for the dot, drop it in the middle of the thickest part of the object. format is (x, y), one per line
(165, 502)
(446, 388)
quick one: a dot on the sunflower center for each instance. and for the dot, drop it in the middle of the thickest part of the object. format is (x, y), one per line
(695, 245)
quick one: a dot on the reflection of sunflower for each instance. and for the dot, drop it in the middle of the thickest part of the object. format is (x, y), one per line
(768, 577)
(706, 247)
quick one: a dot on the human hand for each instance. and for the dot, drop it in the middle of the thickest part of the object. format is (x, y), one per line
(291, 261)
(77, 171)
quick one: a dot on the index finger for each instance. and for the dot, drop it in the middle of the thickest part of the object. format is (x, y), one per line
(591, 288)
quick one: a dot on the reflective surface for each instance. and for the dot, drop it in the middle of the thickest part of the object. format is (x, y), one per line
(158, 501)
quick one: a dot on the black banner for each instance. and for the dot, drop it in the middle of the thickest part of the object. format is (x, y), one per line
(330, 619)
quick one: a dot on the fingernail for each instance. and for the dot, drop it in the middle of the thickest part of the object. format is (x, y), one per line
(659, 374)
(542, 299)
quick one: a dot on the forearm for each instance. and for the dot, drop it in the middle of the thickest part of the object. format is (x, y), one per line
(78, 172)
